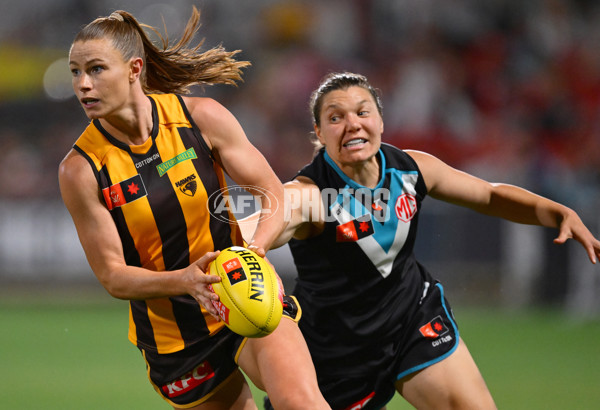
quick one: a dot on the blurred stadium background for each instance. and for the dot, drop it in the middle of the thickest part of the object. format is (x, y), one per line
(505, 89)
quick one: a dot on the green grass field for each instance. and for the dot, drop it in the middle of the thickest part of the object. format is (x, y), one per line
(71, 352)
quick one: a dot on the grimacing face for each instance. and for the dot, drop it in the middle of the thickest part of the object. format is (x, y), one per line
(101, 77)
(351, 126)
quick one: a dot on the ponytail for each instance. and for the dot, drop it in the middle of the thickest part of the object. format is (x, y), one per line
(170, 69)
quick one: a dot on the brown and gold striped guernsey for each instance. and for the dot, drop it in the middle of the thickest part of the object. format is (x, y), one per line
(157, 194)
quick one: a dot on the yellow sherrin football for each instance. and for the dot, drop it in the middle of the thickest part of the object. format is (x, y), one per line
(250, 300)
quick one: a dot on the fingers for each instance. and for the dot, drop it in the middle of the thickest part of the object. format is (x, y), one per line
(201, 283)
(280, 282)
(594, 250)
(590, 243)
(207, 297)
(258, 250)
(587, 240)
(592, 255)
(563, 235)
(206, 259)
(209, 302)
(208, 279)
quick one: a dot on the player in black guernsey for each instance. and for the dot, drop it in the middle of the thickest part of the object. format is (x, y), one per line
(137, 184)
(374, 318)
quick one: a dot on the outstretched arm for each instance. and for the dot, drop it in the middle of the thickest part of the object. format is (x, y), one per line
(303, 213)
(505, 201)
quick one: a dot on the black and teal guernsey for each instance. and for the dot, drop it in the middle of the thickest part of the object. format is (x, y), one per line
(359, 283)
(157, 194)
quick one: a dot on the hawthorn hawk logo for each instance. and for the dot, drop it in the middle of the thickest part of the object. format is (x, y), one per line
(188, 185)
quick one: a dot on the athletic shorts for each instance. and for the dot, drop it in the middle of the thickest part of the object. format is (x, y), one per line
(190, 376)
(431, 336)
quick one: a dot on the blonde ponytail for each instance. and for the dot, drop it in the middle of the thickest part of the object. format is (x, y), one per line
(169, 69)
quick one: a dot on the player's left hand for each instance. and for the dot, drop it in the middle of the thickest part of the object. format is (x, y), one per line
(198, 280)
(572, 227)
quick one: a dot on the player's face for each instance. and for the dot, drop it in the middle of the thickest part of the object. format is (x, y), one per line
(351, 126)
(101, 78)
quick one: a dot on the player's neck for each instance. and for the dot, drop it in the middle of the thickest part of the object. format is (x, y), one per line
(365, 173)
(133, 124)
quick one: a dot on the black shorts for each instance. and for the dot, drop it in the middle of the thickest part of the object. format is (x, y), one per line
(431, 335)
(190, 376)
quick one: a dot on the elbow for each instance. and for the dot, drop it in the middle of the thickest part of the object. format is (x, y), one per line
(117, 294)
(115, 291)
(112, 285)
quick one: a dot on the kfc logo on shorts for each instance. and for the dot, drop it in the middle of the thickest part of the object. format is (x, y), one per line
(434, 329)
(361, 403)
(189, 381)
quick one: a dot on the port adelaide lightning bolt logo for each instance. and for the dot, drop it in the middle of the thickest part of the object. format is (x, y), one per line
(188, 185)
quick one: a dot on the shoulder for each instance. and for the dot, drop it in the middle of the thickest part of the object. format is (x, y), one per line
(74, 167)
(423, 159)
(400, 159)
(76, 178)
(435, 172)
(393, 152)
(217, 123)
(72, 164)
(204, 109)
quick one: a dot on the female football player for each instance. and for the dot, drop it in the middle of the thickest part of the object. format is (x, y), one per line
(375, 320)
(136, 184)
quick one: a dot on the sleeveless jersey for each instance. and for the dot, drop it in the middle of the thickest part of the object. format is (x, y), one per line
(157, 194)
(362, 264)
